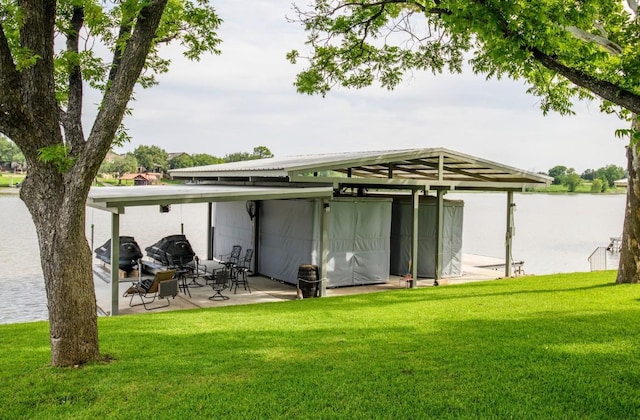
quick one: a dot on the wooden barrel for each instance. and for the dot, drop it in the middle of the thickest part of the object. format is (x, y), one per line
(308, 281)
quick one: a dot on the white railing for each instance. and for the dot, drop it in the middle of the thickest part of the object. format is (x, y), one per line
(603, 258)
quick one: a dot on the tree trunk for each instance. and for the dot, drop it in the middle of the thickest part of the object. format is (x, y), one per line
(629, 266)
(58, 212)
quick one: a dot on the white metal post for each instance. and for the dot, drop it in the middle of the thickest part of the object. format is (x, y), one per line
(509, 235)
(324, 245)
(415, 202)
(439, 235)
(115, 265)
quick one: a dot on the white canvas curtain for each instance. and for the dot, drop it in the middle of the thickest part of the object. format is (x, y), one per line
(233, 226)
(401, 231)
(287, 238)
(359, 233)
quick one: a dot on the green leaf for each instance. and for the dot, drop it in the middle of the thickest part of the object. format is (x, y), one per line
(57, 155)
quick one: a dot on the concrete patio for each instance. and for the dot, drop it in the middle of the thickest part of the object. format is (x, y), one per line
(264, 289)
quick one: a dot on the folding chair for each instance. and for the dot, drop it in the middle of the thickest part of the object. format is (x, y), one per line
(163, 286)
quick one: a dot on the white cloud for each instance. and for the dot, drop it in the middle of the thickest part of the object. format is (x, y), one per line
(245, 98)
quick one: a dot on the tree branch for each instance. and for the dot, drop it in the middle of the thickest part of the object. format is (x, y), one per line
(124, 74)
(606, 90)
(9, 87)
(72, 119)
(36, 79)
(123, 33)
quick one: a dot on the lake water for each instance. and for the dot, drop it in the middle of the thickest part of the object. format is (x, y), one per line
(554, 233)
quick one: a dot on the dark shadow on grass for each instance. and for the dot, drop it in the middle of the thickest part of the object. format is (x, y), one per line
(433, 294)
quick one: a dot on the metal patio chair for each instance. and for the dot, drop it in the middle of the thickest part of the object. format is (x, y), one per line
(196, 270)
(242, 269)
(220, 281)
(231, 260)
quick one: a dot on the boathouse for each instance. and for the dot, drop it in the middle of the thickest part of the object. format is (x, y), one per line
(359, 216)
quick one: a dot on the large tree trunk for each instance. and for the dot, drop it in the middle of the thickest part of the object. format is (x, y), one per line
(61, 162)
(59, 217)
(629, 267)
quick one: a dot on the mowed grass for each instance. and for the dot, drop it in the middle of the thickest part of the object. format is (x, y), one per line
(548, 347)
(10, 180)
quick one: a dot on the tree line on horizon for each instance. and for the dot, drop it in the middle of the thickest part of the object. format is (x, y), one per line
(151, 158)
(601, 179)
(156, 159)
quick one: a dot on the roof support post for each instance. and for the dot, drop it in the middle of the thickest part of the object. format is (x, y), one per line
(439, 236)
(115, 262)
(209, 236)
(509, 235)
(415, 205)
(324, 245)
(256, 238)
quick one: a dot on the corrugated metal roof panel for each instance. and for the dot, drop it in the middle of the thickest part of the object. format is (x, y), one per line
(421, 165)
(116, 198)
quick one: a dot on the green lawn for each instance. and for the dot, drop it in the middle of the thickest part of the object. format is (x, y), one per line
(548, 347)
(584, 188)
(8, 179)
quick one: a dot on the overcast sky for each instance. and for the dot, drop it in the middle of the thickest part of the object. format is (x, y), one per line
(245, 98)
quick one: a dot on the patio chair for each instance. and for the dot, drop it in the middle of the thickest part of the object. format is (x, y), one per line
(196, 270)
(163, 286)
(180, 273)
(231, 260)
(220, 282)
(242, 270)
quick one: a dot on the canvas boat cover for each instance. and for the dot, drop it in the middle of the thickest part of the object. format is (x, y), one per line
(130, 253)
(171, 250)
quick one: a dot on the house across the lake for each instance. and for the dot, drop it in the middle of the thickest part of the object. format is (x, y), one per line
(146, 178)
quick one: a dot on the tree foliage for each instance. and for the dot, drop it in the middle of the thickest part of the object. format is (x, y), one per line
(557, 173)
(572, 180)
(183, 160)
(597, 186)
(120, 165)
(50, 52)
(9, 152)
(152, 158)
(259, 152)
(610, 174)
(562, 49)
(203, 159)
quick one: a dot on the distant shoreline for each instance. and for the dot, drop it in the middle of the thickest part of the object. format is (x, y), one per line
(16, 191)
(9, 190)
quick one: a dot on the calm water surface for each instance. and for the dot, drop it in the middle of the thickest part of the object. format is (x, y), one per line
(554, 233)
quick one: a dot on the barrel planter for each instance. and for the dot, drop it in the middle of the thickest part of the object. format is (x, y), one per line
(308, 281)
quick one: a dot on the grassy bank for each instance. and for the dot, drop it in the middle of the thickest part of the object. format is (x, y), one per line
(581, 189)
(562, 346)
(9, 179)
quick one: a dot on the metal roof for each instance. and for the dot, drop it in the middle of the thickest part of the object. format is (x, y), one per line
(433, 168)
(115, 199)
